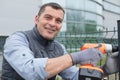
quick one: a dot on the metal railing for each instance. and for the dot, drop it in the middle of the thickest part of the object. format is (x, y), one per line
(74, 42)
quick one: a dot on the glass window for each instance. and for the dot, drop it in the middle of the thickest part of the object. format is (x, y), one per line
(75, 28)
(99, 20)
(89, 27)
(90, 16)
(74, 21)
(90, 6)
(93, 6)
(73, 15)
(77, 4)
(85, 20)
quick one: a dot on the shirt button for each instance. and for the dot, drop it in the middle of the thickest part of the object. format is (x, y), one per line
(23, 54)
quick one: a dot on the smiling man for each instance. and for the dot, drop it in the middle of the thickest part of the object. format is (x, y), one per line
(35, 55)
(49, 23)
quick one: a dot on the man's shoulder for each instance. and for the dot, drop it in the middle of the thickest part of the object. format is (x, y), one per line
(18, 35)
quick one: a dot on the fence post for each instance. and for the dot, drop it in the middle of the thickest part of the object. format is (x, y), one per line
(118, 23)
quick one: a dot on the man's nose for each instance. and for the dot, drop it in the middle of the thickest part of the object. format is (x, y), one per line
(52, 22)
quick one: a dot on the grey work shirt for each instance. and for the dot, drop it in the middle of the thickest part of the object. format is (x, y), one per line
(21, 58)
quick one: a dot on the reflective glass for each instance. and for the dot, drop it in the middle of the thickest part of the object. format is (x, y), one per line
(74, 15)
(77, 4)
(90, 6)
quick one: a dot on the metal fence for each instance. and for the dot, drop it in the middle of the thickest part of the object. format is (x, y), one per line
(73, 42)
(2, 41)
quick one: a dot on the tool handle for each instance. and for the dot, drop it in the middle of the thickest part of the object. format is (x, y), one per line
(100, 46)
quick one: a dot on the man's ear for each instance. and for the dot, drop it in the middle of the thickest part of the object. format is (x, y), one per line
(36, 19)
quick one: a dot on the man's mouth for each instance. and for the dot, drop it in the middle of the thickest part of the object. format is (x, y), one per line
(50, 30)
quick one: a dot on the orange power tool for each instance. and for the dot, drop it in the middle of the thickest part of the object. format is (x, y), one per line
(90, 72)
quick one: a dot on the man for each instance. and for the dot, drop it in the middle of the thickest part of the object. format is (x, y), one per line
(35, 55)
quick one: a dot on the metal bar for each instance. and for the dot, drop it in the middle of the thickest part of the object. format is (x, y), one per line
(118, 23)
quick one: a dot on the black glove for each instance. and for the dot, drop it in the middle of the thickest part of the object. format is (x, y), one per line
(88, 56)
(111, 65)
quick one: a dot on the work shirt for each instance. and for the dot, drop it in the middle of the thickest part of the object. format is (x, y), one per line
(27, 66)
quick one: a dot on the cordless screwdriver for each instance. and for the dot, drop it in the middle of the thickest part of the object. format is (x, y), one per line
(90, 72)
(104, 48)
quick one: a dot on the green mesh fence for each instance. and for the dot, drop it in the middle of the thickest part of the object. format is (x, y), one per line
(73, 42)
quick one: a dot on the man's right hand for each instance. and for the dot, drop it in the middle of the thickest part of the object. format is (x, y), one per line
(88, 56)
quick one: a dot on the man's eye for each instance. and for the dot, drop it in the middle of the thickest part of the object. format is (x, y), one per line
(47, 17)
(59, 21)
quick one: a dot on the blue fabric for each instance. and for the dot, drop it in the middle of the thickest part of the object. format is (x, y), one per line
(21, 58)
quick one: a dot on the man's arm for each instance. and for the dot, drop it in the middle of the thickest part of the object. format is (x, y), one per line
(56, 65)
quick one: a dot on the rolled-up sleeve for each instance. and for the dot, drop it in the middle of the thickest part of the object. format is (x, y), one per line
(21, 58)
(71, 73)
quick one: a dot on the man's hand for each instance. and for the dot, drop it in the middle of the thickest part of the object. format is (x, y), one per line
(88, 56)
(111, 66)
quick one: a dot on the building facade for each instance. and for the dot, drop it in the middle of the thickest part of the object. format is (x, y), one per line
(81, 15)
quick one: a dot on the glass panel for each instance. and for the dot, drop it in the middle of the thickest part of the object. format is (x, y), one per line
(99, 20)
(90, 6)
(90, 27)
(73, 15)
(77, 4)
(90, 16)
(75, 28)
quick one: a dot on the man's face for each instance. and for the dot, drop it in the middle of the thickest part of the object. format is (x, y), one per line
(49, 22)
